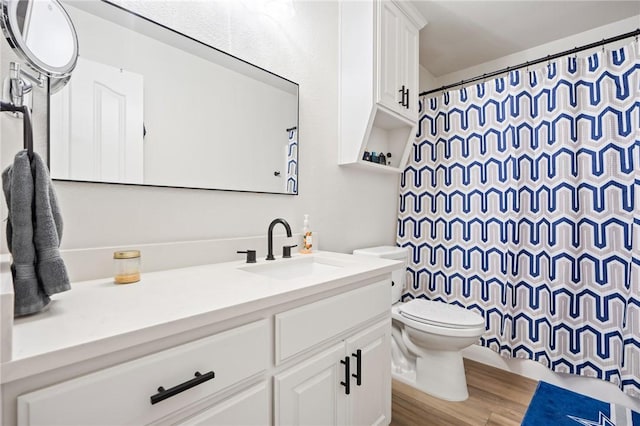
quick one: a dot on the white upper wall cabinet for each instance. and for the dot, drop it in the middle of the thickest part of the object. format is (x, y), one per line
(378, 83)
(397, 67)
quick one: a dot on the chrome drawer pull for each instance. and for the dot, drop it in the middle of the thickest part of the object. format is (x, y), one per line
(168, 393)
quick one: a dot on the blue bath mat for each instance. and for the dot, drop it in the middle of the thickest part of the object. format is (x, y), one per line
(552, 405)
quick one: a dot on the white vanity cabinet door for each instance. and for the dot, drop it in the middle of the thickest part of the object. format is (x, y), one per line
(370, 402)
(310, 393)
(250, 407)
(121, 394)
(314, 391)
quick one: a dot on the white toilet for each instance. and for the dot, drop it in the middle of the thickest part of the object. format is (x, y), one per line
(428, 337)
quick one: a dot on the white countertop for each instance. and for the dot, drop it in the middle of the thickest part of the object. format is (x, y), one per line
(98, 317)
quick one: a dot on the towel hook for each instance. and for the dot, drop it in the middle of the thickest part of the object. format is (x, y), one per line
(17, 89)
(27, 132)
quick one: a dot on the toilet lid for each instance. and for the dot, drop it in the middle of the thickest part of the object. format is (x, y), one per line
(440, 313)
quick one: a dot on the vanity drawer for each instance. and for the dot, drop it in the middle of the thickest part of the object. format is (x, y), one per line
(122, 394)
(301, 328)
(249, 407)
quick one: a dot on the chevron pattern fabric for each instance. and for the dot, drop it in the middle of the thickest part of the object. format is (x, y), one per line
(292, 162)
(521, 201)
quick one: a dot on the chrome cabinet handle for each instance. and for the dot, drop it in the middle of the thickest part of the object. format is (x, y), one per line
(168, 393)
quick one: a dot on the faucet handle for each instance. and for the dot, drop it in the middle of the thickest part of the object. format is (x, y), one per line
(251, 255)
(286, 251)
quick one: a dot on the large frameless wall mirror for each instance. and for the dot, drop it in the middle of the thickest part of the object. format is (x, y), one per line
(147, 105)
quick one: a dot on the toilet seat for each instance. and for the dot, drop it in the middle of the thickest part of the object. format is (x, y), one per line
(440, 314)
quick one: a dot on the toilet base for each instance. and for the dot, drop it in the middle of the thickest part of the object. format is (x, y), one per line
(441, 375)
(429, 357)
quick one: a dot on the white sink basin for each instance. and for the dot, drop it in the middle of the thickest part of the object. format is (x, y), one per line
(297, 267)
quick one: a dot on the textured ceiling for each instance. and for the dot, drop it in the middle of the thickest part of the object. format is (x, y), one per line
(461, 34)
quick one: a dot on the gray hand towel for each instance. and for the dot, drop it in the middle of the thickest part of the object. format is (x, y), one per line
(18, 188)
(50, 267)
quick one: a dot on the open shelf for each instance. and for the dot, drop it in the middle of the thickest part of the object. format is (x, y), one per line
(388, 133)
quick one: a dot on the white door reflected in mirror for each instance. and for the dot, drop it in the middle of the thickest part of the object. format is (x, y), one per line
(104, 140)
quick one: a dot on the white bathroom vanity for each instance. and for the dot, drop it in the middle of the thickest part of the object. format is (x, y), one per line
(292, 341)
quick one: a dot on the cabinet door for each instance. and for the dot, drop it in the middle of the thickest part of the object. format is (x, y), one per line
(388, 49)
(397, 61)
(250, 407)
(370, 402)
(310, 393)
(408, 66)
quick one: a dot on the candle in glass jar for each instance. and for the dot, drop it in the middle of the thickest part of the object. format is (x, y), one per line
(127, 266)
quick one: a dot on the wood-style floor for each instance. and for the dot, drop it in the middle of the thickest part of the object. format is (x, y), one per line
(496, 398)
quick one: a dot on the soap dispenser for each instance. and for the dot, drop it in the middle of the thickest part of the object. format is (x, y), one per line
(307, 237)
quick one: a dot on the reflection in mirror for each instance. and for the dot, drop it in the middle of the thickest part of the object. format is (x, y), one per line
(147, 105)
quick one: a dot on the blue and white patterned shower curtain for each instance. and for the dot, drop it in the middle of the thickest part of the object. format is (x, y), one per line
(521, 201)
(292, 162)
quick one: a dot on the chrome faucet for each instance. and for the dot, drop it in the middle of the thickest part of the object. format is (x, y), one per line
(273, 223)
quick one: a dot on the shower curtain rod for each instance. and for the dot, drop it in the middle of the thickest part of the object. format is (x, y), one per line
(604, 41)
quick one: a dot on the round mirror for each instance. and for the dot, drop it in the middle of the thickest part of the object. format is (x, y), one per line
(41, 33)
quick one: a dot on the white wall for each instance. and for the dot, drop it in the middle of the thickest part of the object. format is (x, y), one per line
(580, 39)
(350, 208)
(427, 80)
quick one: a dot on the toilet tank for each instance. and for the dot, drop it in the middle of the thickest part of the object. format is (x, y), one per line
(398, 277)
